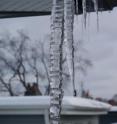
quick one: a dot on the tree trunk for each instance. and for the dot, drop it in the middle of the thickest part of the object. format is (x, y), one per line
(56, 92)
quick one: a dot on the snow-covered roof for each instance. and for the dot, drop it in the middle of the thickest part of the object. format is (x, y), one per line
(42, 102)
(113, 109)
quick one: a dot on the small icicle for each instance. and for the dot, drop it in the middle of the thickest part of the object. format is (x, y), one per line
(76, 6)
(77, 11)
(95, 5)
(97, 22)
(84, 12)
(96, 10)
(88, 33)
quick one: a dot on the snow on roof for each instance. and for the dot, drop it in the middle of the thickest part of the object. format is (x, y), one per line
(113, 109)
(44, 102)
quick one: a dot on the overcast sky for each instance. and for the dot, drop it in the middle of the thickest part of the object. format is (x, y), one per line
(101, 46)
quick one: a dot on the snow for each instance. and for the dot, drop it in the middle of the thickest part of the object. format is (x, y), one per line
(44, 102)
(113, 109)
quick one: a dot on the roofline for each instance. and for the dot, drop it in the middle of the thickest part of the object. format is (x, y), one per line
(13, 14)
(17, 14)
(9, 11)
(43, 102)
(38, 111)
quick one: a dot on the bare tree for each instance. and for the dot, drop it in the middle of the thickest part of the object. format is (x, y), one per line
(19, 61)
(6, 84)
(45, 61)
(81, 63)
(9, 63)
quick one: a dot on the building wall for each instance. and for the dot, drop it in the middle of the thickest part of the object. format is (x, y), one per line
(39, 119)
(110, 118)
(79, 120)
(22, 119)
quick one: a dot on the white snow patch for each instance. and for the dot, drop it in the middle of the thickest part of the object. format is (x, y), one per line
(44, 102)
(113, 109)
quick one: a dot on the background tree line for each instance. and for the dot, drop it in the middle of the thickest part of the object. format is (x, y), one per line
(24, 65)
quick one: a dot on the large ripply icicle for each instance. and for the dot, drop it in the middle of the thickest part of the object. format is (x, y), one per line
(55, 68)
(68, 37)
(84, 12)
(62, 18)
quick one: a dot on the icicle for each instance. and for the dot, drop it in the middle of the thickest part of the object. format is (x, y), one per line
(55, 61)
(95, 5)
(98, 22)
(96, 10)
(84, 12)
(68, 36)
(76, 7)
(77, 11)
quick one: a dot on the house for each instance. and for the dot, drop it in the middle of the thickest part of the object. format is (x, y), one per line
(110, 118)
(34, 110)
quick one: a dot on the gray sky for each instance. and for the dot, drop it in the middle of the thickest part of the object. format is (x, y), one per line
(101, 79)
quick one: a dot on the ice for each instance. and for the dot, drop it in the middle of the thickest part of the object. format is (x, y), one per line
(68, 36)
(84, 12)
(96, 10)
(55, 60)
(62, 9)
(95, 5)
(84, 6)
(76, 7)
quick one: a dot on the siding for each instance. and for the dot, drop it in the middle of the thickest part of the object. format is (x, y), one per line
(109, 119)
(75, 119)
(22, 119)
(39, 119)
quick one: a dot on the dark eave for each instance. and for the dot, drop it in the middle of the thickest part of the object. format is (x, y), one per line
(24, 8)
(13, 14)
